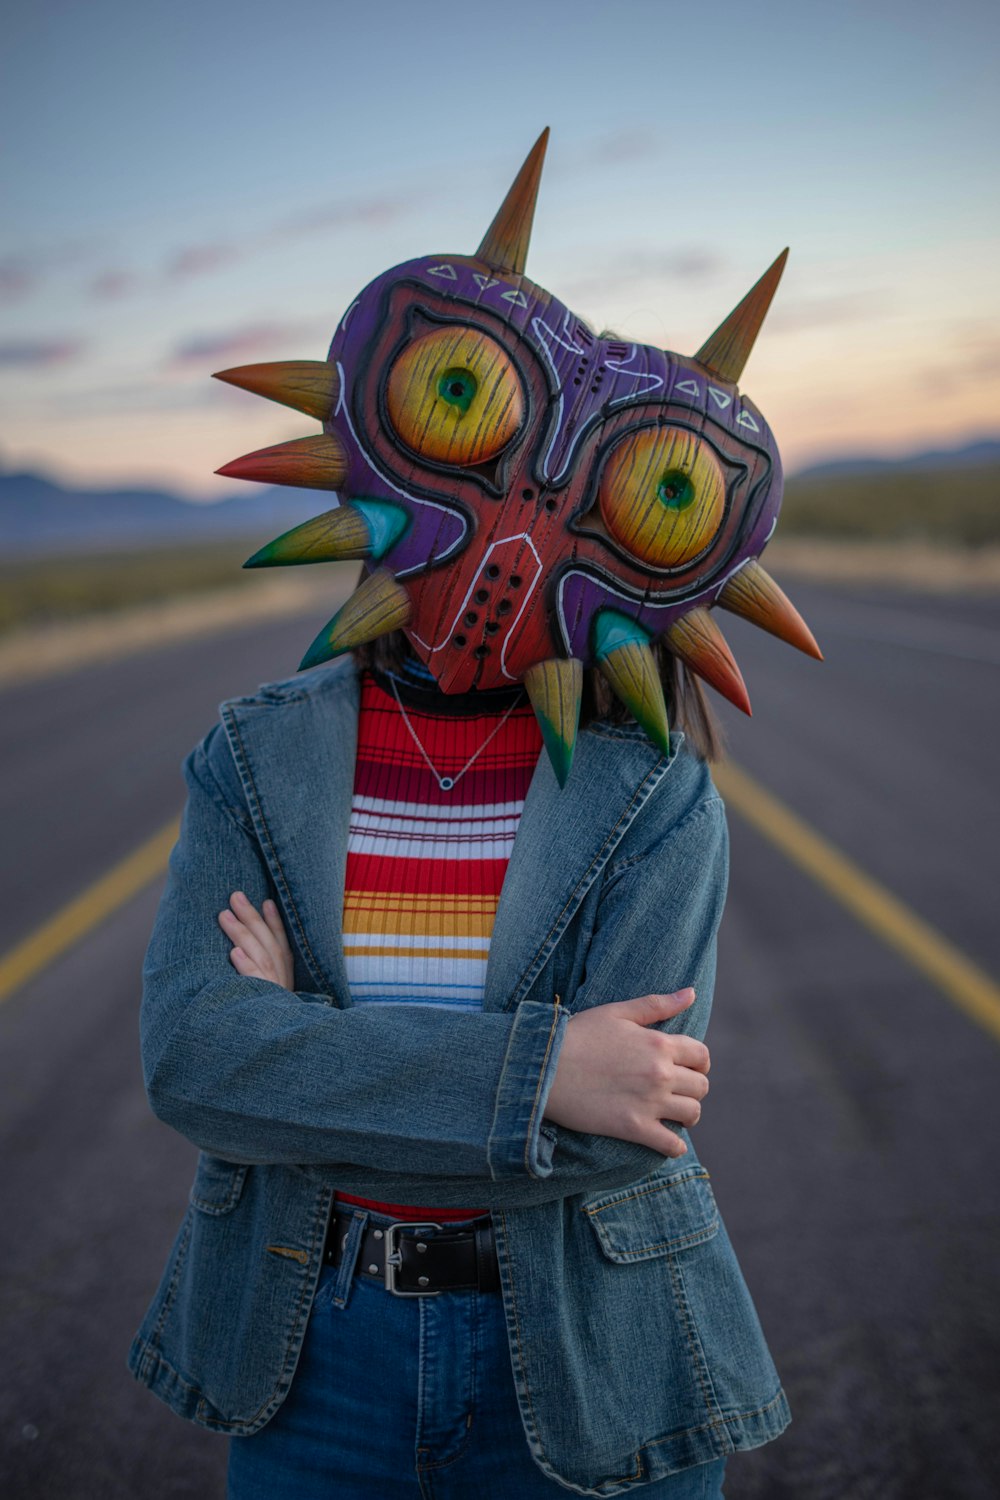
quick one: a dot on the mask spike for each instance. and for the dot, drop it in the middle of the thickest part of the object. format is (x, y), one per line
(727, 351)
(336, 535)
(378, 605)
(307, 385)
(555, 688)
(314, 463)
(621, 648)
(505, 243)
(753, 593)
(699, 642)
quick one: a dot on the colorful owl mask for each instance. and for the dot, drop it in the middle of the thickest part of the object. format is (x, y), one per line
(531, 499)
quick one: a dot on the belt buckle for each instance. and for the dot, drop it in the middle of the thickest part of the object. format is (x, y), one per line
(394, 1256)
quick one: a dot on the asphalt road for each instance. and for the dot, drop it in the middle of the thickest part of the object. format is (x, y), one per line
(852, 1129)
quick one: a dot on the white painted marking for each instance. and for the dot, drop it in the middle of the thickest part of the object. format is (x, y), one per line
(689, 387)
(719, 397)
(518, 298)
(446, 272)
(746, 420)
(484, 281)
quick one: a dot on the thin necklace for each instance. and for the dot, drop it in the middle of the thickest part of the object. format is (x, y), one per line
(447, 783)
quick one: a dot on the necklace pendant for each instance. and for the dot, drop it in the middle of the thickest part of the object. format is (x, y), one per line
(446, 783)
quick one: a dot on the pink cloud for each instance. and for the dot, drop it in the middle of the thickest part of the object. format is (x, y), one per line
(111, 283)
(237, 344)
(39, 353)
(17, 279)
(195, 260)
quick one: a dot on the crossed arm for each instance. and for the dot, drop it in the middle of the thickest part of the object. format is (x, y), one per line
(614, 1076)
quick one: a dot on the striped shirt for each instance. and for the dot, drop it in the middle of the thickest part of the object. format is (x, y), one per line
(425, 863)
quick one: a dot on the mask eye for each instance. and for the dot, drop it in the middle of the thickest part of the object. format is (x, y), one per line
(454, 395)
(662, 495)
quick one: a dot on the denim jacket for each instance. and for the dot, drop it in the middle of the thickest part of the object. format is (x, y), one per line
(635, 1347)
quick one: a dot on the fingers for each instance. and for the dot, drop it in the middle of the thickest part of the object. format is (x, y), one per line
(646, 1010)
(276, 927)
(665, 1141)
(260, 945)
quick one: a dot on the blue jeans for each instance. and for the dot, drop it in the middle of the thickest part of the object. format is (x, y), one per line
(407, 1399)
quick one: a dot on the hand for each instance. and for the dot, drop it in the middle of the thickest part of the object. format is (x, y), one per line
(261, 949)
(616, 1077)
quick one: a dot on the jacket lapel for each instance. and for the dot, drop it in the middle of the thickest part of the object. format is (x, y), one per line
(564, 840)
(295, 751)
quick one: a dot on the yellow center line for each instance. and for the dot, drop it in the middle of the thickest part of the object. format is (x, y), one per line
(86, 911)
(957, 977)
(962, 981)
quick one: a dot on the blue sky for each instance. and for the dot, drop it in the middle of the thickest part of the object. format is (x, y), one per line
(188, 186)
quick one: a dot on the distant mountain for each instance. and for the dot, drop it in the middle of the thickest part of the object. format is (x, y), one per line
(37, 515)
(972, 455)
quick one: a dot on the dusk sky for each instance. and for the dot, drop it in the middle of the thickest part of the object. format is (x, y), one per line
(190, 186)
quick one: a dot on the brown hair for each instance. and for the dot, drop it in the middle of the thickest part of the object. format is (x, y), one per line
(687, 707)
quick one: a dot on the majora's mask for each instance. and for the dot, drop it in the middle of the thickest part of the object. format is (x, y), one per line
(531, 499)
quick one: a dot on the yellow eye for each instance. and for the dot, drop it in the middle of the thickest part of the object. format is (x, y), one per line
(663, 495)
(454, 396)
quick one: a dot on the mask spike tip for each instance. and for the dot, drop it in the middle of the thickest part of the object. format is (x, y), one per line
(555, 688)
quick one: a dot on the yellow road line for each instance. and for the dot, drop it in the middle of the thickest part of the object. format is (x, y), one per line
(963, 982)
(87, 910)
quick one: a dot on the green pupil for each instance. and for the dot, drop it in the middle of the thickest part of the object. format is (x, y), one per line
(457, 387)
(675, 490)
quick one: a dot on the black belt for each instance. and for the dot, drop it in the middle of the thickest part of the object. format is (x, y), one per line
(414, 1265)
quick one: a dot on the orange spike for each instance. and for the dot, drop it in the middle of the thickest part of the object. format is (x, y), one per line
(315, 463)
(753, 593)
(505, 243)
(308, 385)
(699, 642)
(728, 349)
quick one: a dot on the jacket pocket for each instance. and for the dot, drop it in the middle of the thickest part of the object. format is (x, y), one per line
(217, 1185)
(658, 1216)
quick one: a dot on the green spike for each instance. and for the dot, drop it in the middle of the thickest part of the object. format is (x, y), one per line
(387, 523)
(365, 528)
(621, 648)
(335, 535)
(555, 688)
(378, 605)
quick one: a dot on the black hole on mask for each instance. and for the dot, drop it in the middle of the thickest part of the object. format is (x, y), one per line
(527, 494)
(551, 504)
(482, 595)
(471, 617)
(492, 627)
(576, 380)
(458, 640)
(481, 651)
(504, 607)
(493, 571)
(515, 580)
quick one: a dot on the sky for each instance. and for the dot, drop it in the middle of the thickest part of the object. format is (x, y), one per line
(189, 186)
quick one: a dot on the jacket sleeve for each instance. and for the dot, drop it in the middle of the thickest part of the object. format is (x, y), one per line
(655, 932)
(253, 1073)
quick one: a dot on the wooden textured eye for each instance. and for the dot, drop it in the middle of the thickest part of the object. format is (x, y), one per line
(454, 395)
(662, 495)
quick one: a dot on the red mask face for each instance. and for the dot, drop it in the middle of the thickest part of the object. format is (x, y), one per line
(531, 499)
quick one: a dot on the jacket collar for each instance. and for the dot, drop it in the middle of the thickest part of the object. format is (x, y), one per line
(295, 748)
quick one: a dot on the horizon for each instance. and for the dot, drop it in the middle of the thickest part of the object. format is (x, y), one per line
(201, 190)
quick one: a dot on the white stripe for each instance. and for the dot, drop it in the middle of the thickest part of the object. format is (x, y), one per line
(469, 828)
(403, 848)
(384, 805)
